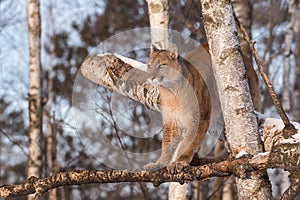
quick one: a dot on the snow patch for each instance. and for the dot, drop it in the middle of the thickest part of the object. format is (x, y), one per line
(134, 63)
(261, 154)
(241, 153)
(274, 122)
(277, 124)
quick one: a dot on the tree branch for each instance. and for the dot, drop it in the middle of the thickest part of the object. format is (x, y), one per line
(40, 186)
(123, 75)
(280, 150)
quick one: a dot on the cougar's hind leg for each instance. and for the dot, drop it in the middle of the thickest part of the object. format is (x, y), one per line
(189, 145)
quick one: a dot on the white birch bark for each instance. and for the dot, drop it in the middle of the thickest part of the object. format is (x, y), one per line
(286, 90)
(240, 122)
(159, 23)
(34, 133)
(296, 97)
(123, 76)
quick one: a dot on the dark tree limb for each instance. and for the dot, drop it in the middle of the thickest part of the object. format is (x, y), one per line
(289, 128)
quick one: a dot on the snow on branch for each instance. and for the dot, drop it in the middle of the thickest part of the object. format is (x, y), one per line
(286, 149)
(282, 151)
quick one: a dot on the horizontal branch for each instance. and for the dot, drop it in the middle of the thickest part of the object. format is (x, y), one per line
(239, 167)
(40, 186)
(123, 75)
(282, 153)
(79, 177)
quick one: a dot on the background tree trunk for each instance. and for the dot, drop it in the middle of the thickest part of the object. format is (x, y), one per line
(49, 111)
(240, 121)
(34, 99)
(159, 22)
(243, 11)
(286, 90)
(229, 189)
(296, 105)
(269, 50)
(281, 176)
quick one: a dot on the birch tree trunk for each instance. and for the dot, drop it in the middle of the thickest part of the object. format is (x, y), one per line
(286, 90)
(243, 12)
(159, 23)
(34, 99)
(296, 97)
(240, 121)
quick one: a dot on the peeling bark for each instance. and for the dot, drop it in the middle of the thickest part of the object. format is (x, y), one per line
(40, 186)
(112, 72)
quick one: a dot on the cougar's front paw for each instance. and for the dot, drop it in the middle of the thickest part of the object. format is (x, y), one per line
(177, 167)
(154, 166)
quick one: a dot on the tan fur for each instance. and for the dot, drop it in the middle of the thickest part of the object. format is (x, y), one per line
(185, 106)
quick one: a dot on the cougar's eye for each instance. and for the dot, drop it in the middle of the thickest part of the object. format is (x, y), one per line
(160, 65)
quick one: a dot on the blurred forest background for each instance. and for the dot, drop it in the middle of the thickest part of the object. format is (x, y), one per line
(70, 31)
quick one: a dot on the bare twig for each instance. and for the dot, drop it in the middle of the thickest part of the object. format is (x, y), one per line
(289, 128)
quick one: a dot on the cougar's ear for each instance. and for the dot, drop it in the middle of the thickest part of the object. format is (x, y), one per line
(173, 50)
(154, 48)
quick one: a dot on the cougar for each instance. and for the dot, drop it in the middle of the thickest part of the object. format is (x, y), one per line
(189, 103)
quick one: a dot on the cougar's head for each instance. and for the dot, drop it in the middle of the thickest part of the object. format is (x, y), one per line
(163, 67)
